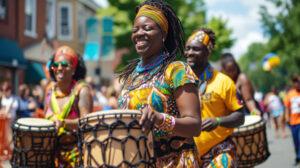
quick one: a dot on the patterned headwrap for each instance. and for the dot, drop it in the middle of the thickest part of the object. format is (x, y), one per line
(201, 37)
(156, 15)
(68, 53)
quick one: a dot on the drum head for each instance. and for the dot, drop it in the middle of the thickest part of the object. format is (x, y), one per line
(34, 124)
(250, 120)
(113, 112)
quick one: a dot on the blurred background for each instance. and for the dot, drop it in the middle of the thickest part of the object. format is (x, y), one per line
(263, 35)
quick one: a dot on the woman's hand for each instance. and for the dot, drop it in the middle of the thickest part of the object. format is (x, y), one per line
(149, 118)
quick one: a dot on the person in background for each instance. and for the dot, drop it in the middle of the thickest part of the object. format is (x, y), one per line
(221, 110)
(275, 108)
(243, 84)
(292, 114)
(67, 99)
(27, 104)
(8, 108)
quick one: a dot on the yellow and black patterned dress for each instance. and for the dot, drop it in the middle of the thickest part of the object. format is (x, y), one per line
(157, 92)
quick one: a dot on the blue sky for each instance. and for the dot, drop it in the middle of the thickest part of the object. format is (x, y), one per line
(241, 15)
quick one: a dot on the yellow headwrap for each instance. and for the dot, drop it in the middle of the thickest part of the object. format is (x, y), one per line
(155, 14)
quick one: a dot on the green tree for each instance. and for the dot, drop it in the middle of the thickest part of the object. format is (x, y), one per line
(251, 64)
(223, 36)
(284, 33)
(190, 12)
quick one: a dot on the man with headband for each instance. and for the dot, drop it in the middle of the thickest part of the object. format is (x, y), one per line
(221, 110)
(67, 99)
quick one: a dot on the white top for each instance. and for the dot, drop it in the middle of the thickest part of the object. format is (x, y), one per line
(10, 104)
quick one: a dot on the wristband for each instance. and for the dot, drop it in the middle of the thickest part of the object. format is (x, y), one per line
(218, 119)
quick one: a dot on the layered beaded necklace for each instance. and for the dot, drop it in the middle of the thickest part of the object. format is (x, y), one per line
(143, 73)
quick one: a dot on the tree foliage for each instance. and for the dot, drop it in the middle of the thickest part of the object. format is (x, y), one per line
(283, 32)
(190, 12)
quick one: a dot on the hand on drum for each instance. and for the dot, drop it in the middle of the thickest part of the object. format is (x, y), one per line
(58, 124)
(149, 118)
(209, 124)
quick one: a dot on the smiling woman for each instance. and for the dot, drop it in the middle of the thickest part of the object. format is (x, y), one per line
(163, 89)
(67, 99)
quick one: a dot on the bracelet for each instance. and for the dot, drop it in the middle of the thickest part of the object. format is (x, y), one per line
(218, 119)
(168, 123)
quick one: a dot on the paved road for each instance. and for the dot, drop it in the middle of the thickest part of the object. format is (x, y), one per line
(282, 151)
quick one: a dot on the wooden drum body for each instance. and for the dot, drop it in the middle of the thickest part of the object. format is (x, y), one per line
(115, 139)
(34, 143)
(251, 142)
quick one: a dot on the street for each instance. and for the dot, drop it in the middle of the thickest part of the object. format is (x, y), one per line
(282, 152)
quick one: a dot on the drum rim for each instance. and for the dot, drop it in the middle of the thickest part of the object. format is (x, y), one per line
(107, 114)
(37, 128)
(113, 112)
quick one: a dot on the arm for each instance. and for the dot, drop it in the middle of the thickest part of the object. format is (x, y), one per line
(85, 106)
(188, 104)
(235, 119)
(247, 92)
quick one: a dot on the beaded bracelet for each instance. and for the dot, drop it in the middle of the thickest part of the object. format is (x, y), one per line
(168, 123)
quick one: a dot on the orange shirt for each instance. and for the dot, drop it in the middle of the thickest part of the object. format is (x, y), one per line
(292, 102)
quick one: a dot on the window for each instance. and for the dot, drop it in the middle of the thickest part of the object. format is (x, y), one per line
(3, 9)
(50, 19)
(30, 18)
(65, 21)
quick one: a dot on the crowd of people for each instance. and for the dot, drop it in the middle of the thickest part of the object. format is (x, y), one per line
(191, 107)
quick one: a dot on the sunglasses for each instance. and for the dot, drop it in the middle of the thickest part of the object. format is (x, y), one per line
(64, 64)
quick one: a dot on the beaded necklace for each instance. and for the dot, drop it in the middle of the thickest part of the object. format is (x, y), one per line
(143, 74)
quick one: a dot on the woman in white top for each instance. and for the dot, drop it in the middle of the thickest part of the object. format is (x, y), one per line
(275, 108)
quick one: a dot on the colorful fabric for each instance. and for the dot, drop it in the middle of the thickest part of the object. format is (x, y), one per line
(222, 155)
(158, 94)
(220, 99)
(156, 15)
(66, 154)
(67, 158)
(292, 102)
(200, 37)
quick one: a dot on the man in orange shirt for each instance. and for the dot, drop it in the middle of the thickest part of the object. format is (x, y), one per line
(292, 103)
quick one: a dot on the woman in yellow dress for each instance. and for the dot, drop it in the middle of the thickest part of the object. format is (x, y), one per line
(162, 88)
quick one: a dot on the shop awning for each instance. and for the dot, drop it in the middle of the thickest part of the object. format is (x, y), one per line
(11, 55)
(34, 73)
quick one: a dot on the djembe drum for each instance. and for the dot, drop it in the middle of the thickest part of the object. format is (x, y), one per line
(114, 139)
(251, 142)
(34, 143)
